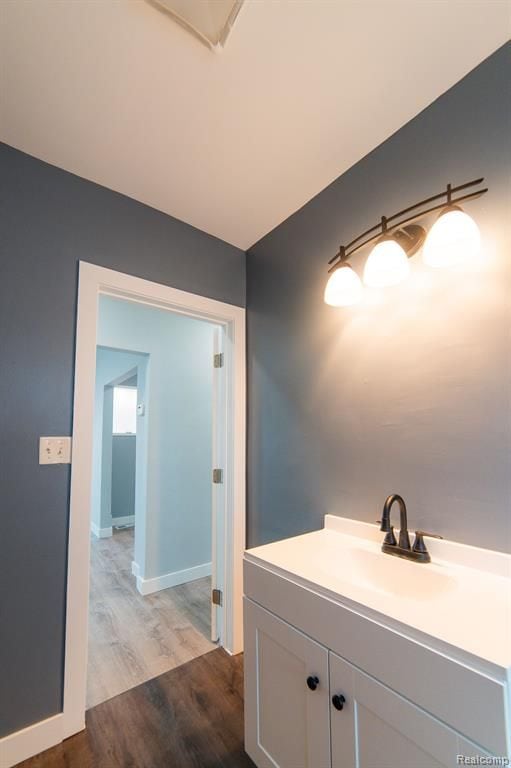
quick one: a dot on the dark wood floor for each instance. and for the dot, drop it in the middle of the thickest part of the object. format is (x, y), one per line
(190, 717)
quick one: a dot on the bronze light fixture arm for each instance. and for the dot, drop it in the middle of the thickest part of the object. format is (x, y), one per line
(346, 251)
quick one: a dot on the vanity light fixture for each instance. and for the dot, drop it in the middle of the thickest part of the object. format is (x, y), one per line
(453, 238)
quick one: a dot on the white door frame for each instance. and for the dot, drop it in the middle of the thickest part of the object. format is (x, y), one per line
(93, 281)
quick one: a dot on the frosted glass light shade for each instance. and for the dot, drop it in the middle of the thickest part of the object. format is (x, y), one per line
(387, 265)
(343, 288)
(453, 238)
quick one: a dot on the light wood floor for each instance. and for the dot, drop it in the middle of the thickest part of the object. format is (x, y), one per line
(134, 638)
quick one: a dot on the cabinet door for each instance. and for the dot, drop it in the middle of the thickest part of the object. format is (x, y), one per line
(286, 710)
(378, 728)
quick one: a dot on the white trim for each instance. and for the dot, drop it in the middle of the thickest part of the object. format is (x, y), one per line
(126, 520)
(135, 569)
(94, 281)
(21, 745)
(100, 533)
(173, 579)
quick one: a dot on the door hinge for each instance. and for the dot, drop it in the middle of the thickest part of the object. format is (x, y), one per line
(218, 476)
(216, 596)
(218, 360)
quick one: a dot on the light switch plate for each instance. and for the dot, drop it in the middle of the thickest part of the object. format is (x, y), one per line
(54, 450)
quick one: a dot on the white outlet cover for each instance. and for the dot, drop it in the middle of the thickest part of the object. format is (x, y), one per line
(54, 450)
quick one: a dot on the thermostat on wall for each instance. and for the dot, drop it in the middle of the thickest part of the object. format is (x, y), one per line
(140, 409)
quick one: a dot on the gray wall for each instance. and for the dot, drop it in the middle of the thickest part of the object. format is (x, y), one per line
(112, 365)
(50, 219)
(410, 395)
(123, 475)
(124, 469)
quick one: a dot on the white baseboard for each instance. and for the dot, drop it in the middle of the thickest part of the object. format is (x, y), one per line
(135, 570)
(21, 745)
(100, 533)
(147, 586)
(126, 520)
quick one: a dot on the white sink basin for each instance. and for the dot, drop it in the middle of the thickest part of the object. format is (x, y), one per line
(395, 576)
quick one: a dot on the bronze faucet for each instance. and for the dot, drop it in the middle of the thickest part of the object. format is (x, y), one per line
(418, 552)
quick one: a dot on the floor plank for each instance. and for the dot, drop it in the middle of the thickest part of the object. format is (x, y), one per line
(190, 717)
(133, 638)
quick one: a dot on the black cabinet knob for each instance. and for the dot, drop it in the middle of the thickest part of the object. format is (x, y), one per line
(338, 701)
(312, 682)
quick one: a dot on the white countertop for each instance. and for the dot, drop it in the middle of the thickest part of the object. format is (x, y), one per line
(462, 598)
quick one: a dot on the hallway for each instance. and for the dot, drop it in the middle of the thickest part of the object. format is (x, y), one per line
(133, 638)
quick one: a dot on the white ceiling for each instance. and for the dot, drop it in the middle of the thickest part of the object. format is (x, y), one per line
(117, 92)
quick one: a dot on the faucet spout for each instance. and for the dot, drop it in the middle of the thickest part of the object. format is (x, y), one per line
(404, 538)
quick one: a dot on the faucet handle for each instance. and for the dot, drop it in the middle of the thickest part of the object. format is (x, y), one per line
(418, 544)
(429, 535)
(390, 538)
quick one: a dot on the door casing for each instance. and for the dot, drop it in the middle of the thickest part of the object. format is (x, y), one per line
(93, 282)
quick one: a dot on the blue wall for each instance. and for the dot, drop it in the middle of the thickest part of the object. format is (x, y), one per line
(173, 506)
(410, 394)
(49, 219)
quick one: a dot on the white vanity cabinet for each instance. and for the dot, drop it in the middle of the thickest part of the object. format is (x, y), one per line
(333, 682)
(305, 707)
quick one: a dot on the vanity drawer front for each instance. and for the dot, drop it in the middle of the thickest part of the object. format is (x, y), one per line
(472, 703)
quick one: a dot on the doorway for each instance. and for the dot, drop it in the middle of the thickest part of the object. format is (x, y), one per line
(227, 459)
(152, 551)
